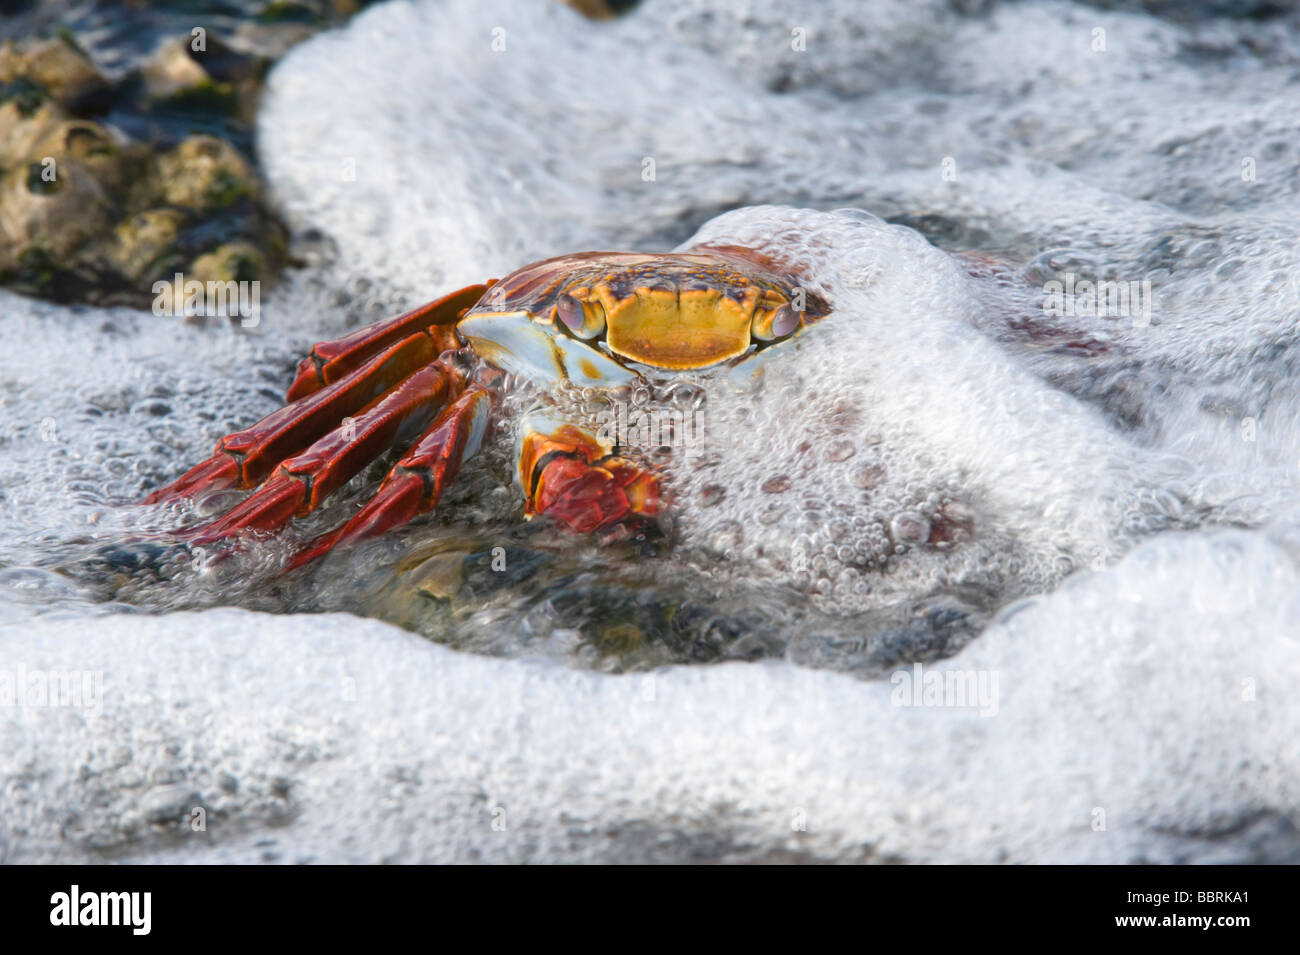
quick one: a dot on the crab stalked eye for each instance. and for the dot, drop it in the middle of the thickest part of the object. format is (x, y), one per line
(585, 319)
(772, 323)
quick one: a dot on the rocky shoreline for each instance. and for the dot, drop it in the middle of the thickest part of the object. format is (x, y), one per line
(126, 145)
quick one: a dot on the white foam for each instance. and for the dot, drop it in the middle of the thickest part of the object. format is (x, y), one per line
(1118, 733)
(899, 373)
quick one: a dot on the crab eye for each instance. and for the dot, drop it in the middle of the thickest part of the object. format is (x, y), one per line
(585, 319)
(769, 324)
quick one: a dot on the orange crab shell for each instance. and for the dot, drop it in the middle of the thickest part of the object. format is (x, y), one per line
(675, 311)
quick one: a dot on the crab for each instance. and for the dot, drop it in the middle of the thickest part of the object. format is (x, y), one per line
(429, 380)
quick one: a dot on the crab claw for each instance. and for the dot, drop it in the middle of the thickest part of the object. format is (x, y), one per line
(570, 478)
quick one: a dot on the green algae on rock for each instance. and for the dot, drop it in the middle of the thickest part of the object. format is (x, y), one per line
(107, 187)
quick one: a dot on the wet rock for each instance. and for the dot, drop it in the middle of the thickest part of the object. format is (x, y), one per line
(442, 575)
(60, 68)
(232, 262)
(50, 217)
(489, 571)
(204, 173)
(111, 180)
(172, 71)
(204, 74)
(26, 115)
(135, 110)
(602, 9)
(79, 199)
(145, 244)
(168, 804)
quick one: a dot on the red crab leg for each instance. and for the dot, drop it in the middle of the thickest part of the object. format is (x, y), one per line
(330, 361)
(570, 478)
(244, 459)
(301, 483)
(415, 484)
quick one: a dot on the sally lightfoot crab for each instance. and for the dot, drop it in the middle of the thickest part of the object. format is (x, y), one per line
(428, 381)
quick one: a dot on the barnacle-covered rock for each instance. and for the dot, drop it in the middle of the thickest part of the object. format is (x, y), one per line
(205, 173)
(233, 262)
(113, 179)
(145, 244)
(60, 68)
(200, 73)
